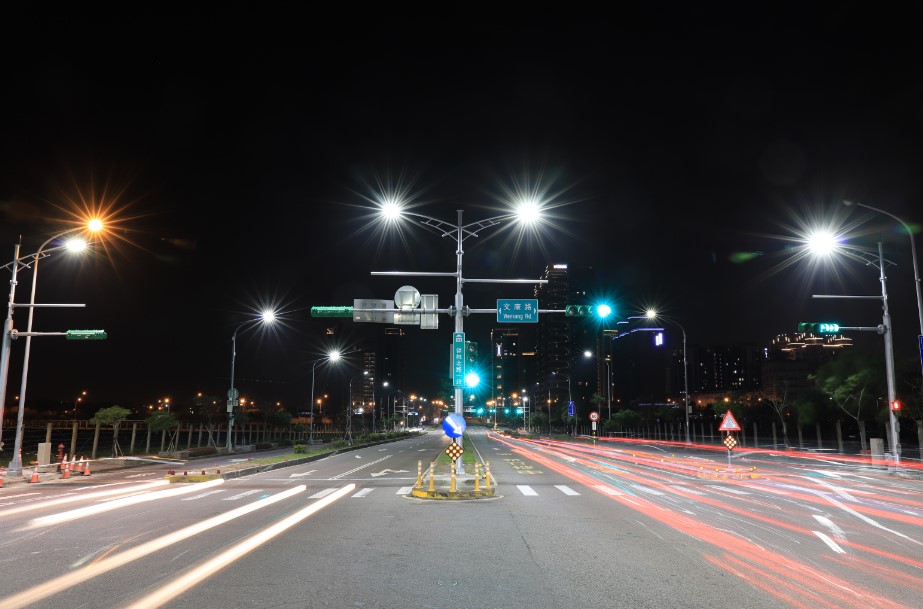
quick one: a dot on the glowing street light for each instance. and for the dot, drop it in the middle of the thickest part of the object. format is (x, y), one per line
(332, 357)
(266, 317)
(525, 213)
(652, 314)
(886, 328)
(74, 245)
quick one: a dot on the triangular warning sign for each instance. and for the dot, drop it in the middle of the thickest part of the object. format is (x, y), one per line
(729, 423)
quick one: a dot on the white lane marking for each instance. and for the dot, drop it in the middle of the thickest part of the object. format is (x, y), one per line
(824, 472)
(566, 489)
(832, 544)
(526, 490)
(194, 497)
(647, 490)
(355, 469)
(837, 531)
(362, 493)
(242, 495)
(685, 489)
(302, 474)
(404, 490)
(322, 494)
(608, 489)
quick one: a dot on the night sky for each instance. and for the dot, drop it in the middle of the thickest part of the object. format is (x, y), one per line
(238, 151)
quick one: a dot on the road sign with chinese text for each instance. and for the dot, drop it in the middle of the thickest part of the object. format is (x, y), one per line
(458, 359)
(517, 310)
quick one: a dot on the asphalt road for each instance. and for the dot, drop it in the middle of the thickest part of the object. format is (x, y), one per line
(571, 526)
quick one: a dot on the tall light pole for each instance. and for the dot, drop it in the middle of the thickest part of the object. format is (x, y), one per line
(608, 380)
(825, 244)
(233, 395)
(15, 466)
(332, 357)
(527, 213)
(916, 272)
(652, 314)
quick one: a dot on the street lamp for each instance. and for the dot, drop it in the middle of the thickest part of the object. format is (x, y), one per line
(916, 272)
(75, 245)
(333, 357)
(265, 317)
(652, 314)
(608, 381)
(823, 244)
(527, 213)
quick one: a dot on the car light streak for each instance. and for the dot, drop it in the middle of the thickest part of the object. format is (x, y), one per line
(83, 574)
(175, 588)
(832, 544)
(117, 503)
(70, 497)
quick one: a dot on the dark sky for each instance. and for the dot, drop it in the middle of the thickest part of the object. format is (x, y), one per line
(236, 147)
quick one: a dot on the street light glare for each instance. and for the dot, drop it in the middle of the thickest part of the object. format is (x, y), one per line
(76, 245)
(822, 243)
(587, 354)
(603, 310)
(528, 212)
(651, 314)
(334, 356)
(268, 316)
(95, 225)
(391, 210)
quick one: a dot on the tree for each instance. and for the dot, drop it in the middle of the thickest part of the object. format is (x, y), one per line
(852, 381)
(114, 415)
(164, 421)
(779, 399)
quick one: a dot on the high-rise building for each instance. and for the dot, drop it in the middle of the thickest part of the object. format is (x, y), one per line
(553, 340)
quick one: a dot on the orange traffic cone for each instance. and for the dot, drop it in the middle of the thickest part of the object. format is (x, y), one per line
(34, 476)
(80, 465)
(203, 472)
(62, 463)
(66, 475)
(1, 482)
(86, 469)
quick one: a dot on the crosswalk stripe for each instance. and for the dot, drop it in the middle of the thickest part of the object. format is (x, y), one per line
(608, 490)
(404, 490)
(362, 493)
(566, 489)
(323, 493)
(526, 490)
(242, 495)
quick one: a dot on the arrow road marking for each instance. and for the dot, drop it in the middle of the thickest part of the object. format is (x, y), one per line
(385, 471)
(302, 474)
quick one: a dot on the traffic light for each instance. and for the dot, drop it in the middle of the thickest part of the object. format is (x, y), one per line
(471, 353)
(602, 311)
(895, 405)
(85, 335)
(825, 327)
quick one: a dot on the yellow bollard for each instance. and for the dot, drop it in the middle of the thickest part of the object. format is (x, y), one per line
(432, 480)
(419, 474)
(477, 477)
(452, 488)
(487, 476)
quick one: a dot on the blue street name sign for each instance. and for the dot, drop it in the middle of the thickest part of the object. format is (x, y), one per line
(458, 359)
(454, 425)
(517, 310)
(570, 408)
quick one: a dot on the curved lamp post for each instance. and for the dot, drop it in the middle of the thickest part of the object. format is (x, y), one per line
(608, 381)
(823, 244)
(76, 245)
(913, 252)
(526, 213)
(332, 357)
(265, 317)
(652, 314)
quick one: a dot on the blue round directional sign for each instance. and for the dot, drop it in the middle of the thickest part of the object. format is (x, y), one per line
(454, 425)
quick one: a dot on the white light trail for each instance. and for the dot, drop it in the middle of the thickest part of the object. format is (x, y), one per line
(81, 575)
(70, 498)
(117, 503)
(176, 587)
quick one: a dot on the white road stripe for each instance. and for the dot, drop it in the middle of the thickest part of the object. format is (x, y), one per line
(200, 495)
(526, 490)
(566, 489)
(404, 490)
(242, 495)
(322, 494)
(362, 493)
(832, 544)
(608, 490)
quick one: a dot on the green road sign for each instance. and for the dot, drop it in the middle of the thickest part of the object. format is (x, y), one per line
(331, 311)
(85, 335)
(819, 327)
